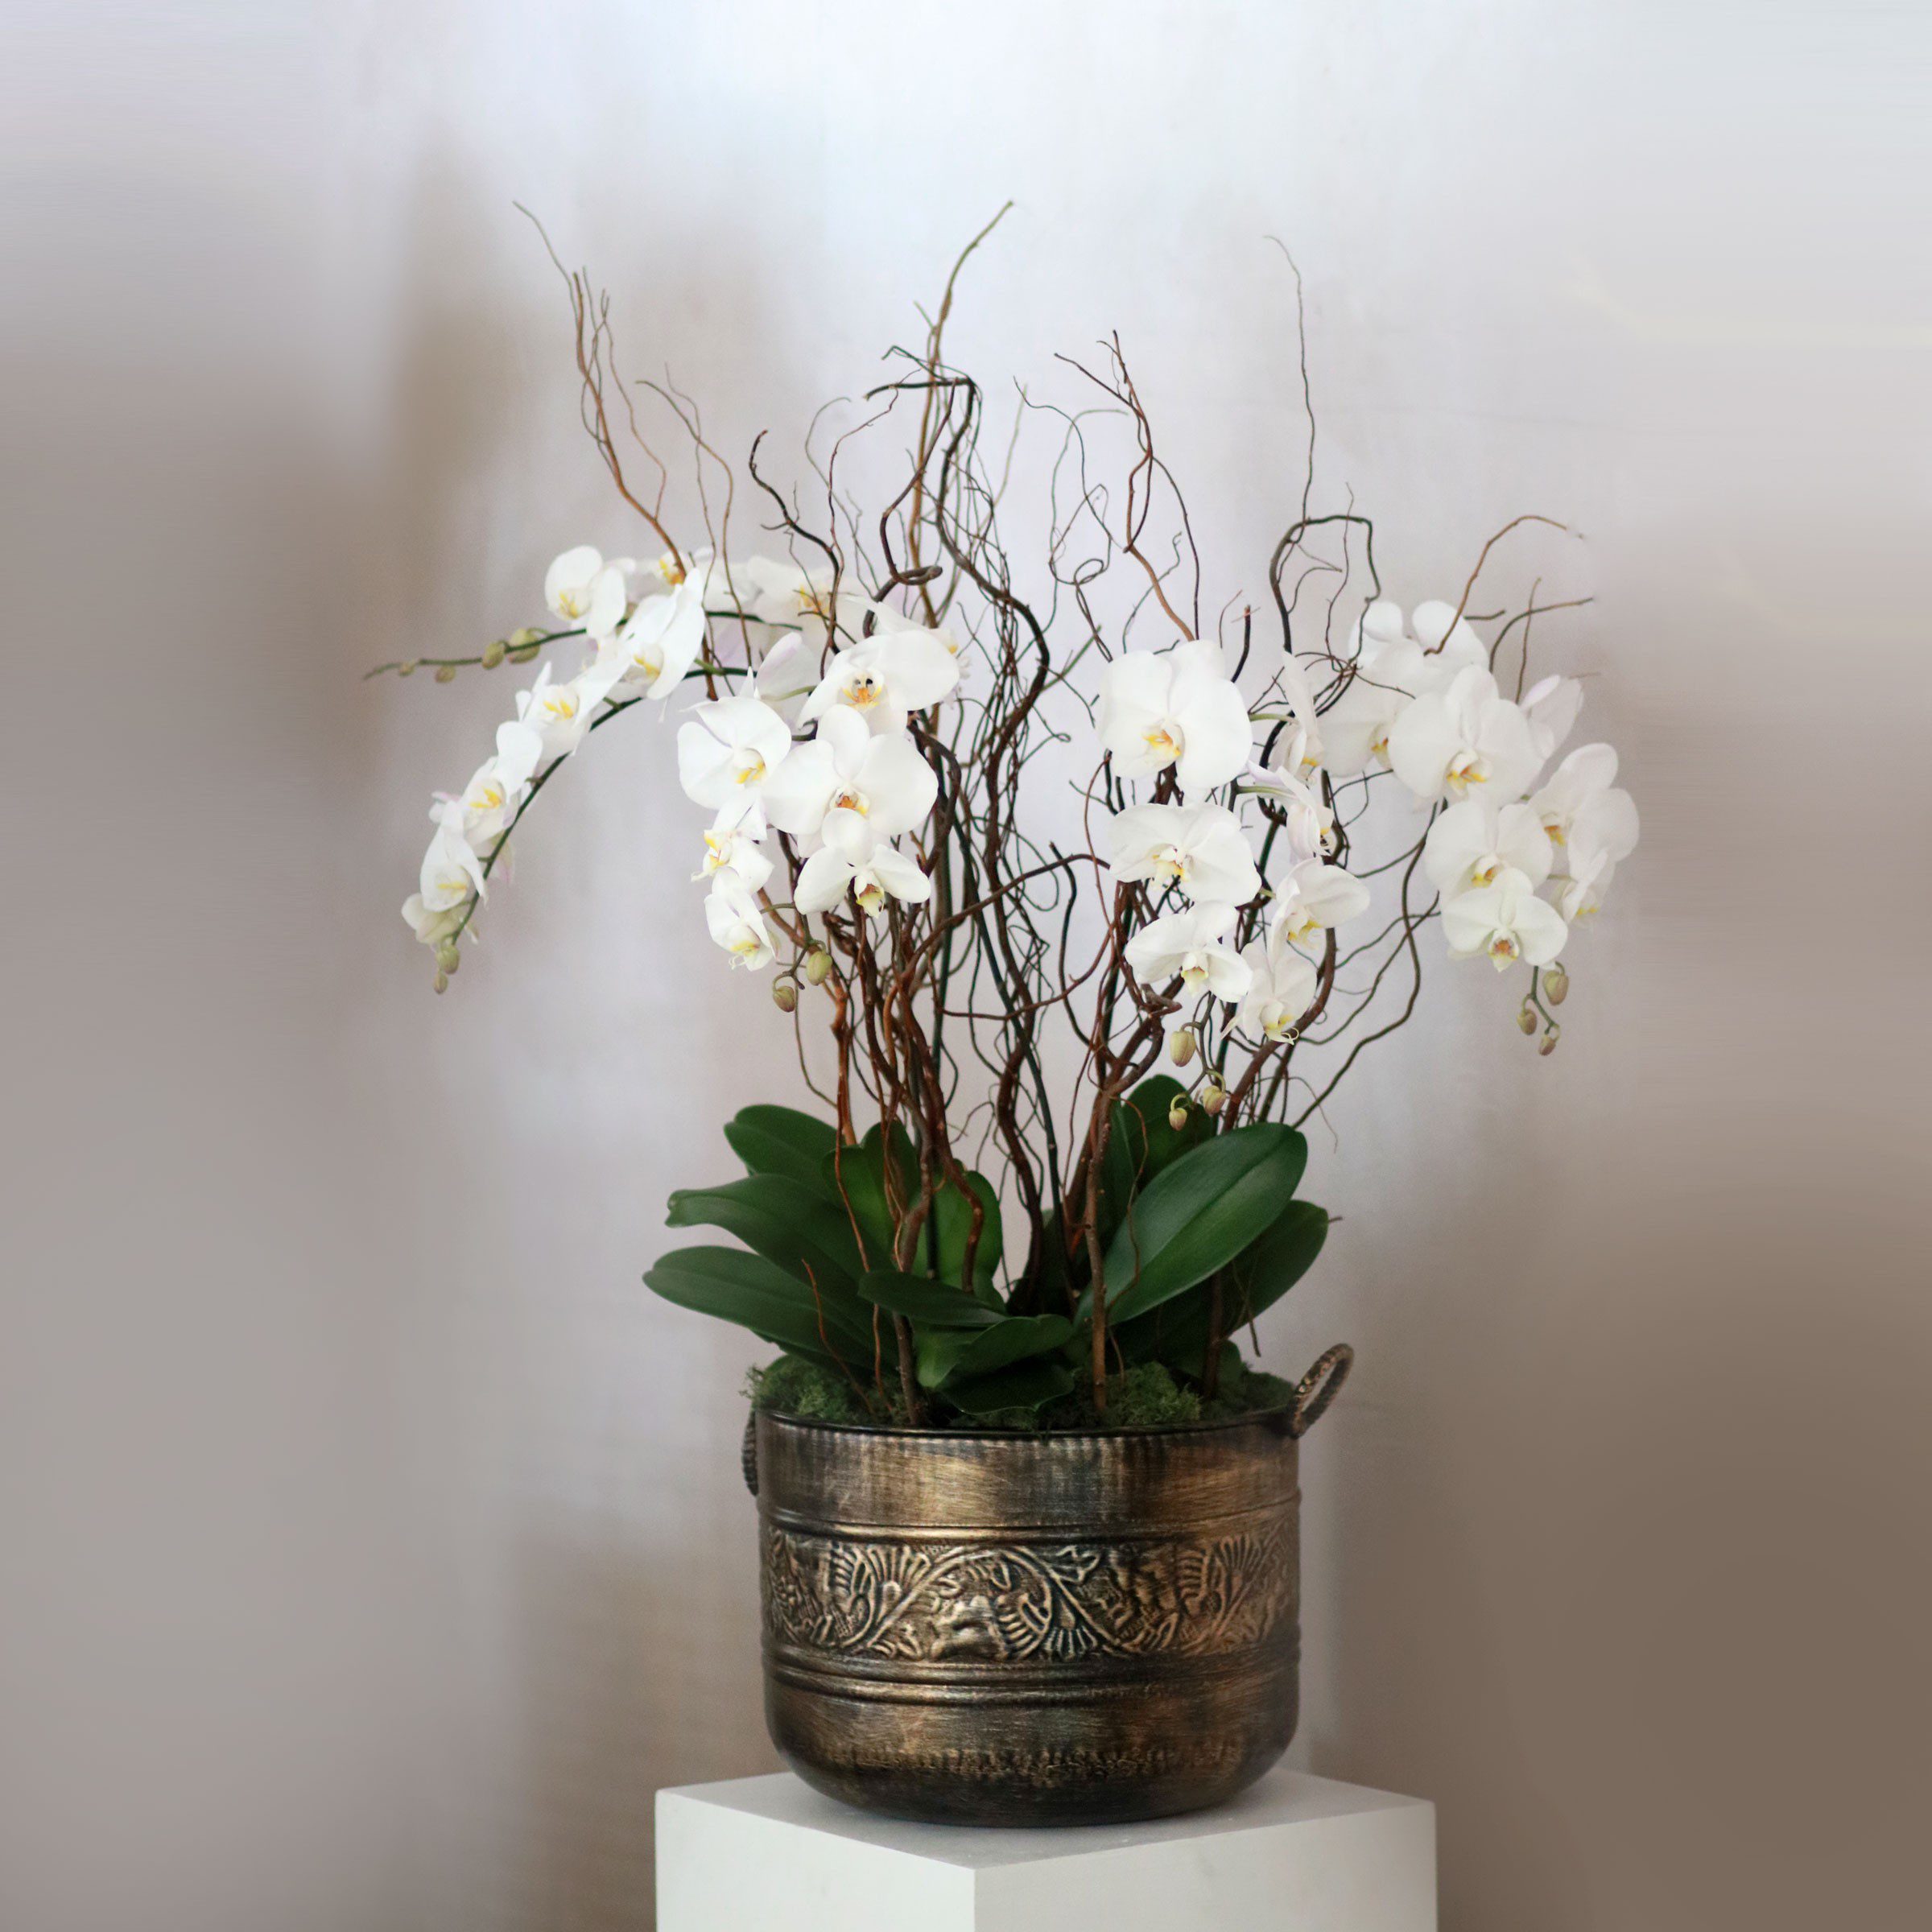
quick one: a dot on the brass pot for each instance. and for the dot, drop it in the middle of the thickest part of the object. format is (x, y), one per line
(990, 1628)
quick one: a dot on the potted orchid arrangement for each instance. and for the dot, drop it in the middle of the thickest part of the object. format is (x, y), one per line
(1081, 898)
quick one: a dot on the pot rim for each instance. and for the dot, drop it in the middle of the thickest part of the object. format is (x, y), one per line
(1276, 1420)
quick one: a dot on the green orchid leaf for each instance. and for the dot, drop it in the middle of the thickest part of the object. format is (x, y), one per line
(929, 1303)
(759, 1295)
(780, 1140)
(787, 1221)
(1028, 1385)
(1198, 1213)
(970, 1353)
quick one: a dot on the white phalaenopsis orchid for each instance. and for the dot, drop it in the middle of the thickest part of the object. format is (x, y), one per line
(846, 767)
(1177, 707)
(561, 713)
(581, 589)
(662, 638)
(482, 811)
(729, 847)
(854, 859)
(788, 674)
(886, 677)
(1392, 670)
(1580, 897)
(1551, 705)
(1472, 843)
(1301, 752)
(1314, 898)
(1310, 817)
(1192, 944)
(728, 750)
(737, 923)
(1467, 737)
(432, 925)
(1505, 921)
(776, 591)
(1201, 848)
(452, 874)
(1283, 989)
(1584, 812)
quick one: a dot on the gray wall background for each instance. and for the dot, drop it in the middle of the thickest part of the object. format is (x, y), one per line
(371, 1545)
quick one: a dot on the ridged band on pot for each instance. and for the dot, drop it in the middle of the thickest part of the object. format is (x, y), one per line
(1032, 1629)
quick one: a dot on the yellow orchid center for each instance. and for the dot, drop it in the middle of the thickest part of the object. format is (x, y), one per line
(1162, 743)
(863, 691)
(1485, 874)
(571, 605)
(851, 801)
(1469, 768)
(751, 768)
(670, 569)
(871, 896)
(560, 704)
(1502, 949)
(1169, 865)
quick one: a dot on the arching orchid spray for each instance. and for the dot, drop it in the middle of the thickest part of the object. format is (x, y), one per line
(1076, 885)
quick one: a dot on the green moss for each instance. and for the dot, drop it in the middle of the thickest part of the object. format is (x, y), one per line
(1148, 1397)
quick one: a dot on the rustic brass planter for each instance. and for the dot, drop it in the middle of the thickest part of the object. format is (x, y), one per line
(1059, 1629)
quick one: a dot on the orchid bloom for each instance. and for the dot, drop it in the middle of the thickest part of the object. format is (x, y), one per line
(1391, 670)
(1471, 844)
(729, 750)
(1506, 922)
(1581, 810)
(1201, 848)
(1315, 897)
(560, 714)
(855, 859)
(485, 806)
(1301, 752)
(885, 678)
(1449, 742)
(1178, 708)
(1193, 945)
(580, 587)
(788, 674)
(781, 592)
(730, 847)
(732, 912)
(432, 925)
(452, 874)
(846, 768)
(1580, 897)
(1310, 820)
(662, 637)
(1283, 989)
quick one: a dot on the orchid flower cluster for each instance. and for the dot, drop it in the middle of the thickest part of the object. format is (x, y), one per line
(950, 802)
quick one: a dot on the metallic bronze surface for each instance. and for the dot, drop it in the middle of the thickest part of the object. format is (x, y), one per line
(1049, 1629)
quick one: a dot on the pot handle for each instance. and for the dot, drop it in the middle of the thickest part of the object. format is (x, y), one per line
(1320, 1387)
(747, 1452)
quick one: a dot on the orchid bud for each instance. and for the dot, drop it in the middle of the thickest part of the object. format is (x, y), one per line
(818, 965)
(785, 995)
(448, 959)
(1556, 985)
(441, 982)
(523, 654)
(1180, 1046)
(1547, 1043)
(494, 654)
(407, 671)
(1214, 1097)
(1177, 1114)
(1526, 1017)
(519, 639)
(446, 673)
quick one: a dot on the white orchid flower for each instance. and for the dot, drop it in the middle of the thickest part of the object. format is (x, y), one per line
(452, 874)
(855, 859)
(788, 674)
(885, 618)
(779, 592)
(1281, 990)
(846, 768)
(728, 750)
(885, 678)
(1301, 753)
(580, 587)
(1391, 670)
(1193, 945)
(1178, 708)
(1447, 743)
(433, 927)
(1580, 897)
(1551, 707)
(730, 847)
(1314, 897)
(1505, 921)
(737, 923)
(1581, 810)
(1310, 818)
(662, 637)
(483, 809)
(1201, 848)
(560, 714)
(1471, 844)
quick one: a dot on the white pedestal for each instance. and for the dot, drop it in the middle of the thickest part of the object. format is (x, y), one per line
(1294, 1854)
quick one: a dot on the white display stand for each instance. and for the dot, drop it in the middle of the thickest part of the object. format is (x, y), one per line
(1294, 1854)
